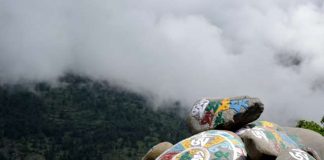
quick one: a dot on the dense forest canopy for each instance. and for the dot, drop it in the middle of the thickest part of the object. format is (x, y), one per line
(82, 119)
(86, 119)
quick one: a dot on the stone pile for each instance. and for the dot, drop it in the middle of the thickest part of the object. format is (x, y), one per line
(227, 129)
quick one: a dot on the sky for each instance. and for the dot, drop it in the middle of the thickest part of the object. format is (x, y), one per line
(175, 49)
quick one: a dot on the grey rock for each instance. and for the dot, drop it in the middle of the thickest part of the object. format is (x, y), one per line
(227, 113)
(294, 154)
(308, 139)
(265, 139)
(157, 150)
(207, 145)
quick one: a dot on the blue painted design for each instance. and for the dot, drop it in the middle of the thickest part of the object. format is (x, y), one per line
(213, 149)
(178, 148)
(225, 145)
(297, 140)
(228, 135)
(213, 132)
(238, 104)
(287, 139)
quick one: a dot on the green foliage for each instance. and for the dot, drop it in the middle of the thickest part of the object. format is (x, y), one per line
(312, 126)
(82, 119)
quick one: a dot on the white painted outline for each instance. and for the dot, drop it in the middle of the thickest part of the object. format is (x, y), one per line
(205, 134)
(206, 152)
(199, 108)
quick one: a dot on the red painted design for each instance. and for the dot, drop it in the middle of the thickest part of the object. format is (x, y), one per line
(207, 118)
(168, 156)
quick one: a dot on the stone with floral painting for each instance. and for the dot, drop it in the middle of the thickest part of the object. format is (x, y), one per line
(227, 113)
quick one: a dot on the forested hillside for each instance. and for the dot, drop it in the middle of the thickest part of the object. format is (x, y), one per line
(82, 119)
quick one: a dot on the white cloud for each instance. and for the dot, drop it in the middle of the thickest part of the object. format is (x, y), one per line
(180, 49)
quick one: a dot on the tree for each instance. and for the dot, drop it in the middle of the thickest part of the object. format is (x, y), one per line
(312, 126)
(83, 119)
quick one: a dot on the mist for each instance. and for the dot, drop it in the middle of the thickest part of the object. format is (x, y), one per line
(175, 49)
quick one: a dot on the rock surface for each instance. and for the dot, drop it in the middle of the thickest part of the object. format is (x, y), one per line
(215, 119)
(308, 139)
(157, 150)
(227, 113)
(297, 154)
(207, 145)
(265, 139)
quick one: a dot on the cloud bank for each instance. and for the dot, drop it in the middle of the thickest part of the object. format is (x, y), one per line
(175, 49)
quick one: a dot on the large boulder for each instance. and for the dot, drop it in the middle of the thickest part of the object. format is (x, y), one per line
(294, 154)
(228, 113)
(157, 150)
(266, 140)
(208, 145)
(251, 140)
(308, 139)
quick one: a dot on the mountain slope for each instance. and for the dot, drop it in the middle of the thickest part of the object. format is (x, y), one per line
(82, 119)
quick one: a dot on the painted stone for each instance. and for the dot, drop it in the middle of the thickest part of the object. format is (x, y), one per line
(263, 138)
(308, 140)
(227, 113)
(157, 150)
(208, 145)
(294, 154)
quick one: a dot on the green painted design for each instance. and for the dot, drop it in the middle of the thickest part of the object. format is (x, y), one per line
(219, 155)
(213, 106)
(297, 140)
(219, 119)
(186, 156)
(283, 145)
(270, 135)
